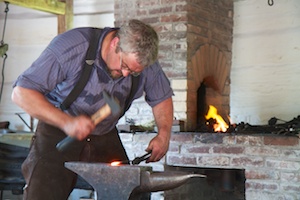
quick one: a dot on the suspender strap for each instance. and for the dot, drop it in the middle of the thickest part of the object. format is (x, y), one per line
(134, 87)
(89, 63)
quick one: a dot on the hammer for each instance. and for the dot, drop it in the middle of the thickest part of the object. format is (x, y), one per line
(111, 106)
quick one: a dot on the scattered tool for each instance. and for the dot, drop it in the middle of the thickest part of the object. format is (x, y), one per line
(111, 106)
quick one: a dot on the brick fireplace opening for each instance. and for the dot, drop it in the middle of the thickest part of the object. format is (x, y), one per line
(208, 84)
(204, 101)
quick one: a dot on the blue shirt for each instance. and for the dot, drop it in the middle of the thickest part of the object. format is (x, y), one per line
(58, 68)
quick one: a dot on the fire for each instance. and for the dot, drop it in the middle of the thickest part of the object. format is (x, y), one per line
(116, 163)
(220, 125)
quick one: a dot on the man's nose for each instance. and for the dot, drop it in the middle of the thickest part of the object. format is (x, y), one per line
(125, 72)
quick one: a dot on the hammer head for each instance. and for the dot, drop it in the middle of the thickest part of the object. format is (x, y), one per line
(112, 102)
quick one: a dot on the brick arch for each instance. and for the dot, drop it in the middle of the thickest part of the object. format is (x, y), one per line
(209, 65)
(209, 62)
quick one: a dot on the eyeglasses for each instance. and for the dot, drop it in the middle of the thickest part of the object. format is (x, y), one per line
(125, 67)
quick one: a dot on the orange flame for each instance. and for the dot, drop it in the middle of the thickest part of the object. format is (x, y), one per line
(220, 125)
(116, 163)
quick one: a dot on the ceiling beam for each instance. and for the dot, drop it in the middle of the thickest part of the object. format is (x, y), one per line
(50, 6)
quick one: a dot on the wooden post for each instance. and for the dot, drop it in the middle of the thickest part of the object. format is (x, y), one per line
(65, 22)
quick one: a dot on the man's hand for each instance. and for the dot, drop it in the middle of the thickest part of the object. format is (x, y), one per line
(79, 127)
(159, 147)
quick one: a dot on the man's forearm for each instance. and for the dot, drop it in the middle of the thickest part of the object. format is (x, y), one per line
(159, 145)
(35, 104)
(163, 114)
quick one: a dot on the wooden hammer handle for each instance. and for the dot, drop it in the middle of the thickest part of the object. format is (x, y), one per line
(101, 114)
(97, 117)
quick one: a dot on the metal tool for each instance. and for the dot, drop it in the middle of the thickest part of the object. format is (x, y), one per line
(138, 160)
(111, 107)
(135, 161)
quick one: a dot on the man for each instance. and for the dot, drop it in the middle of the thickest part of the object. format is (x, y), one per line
(122, 53)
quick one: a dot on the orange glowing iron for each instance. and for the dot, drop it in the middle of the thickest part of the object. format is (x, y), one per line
(135, 161)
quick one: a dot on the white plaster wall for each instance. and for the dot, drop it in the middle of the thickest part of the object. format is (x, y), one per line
(28, 32)
(266, 61)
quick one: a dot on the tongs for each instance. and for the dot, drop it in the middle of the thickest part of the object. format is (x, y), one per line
(138, 160)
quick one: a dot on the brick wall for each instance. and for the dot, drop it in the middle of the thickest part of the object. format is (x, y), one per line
(271, 162)
(195, 42)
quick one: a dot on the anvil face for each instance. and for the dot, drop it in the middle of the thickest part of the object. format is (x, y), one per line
(109, 182)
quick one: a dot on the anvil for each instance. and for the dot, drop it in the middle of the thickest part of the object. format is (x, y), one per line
(126, 181)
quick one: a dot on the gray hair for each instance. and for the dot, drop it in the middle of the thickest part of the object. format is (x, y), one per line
(139, 38)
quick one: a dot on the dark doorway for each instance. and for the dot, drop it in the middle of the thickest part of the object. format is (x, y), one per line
(220, 184)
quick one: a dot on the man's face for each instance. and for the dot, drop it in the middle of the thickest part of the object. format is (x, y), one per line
(123, 64)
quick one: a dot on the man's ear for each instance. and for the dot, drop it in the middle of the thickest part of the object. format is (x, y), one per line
(114, 42)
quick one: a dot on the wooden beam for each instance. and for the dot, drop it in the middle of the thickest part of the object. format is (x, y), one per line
(65, 22)
(50, 6)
